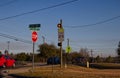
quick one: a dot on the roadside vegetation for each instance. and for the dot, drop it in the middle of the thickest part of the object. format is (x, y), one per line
(46, 51)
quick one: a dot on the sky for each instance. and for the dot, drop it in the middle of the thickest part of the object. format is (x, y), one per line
(91, 24)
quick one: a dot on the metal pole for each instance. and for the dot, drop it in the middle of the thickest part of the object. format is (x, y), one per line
(67, 53)
(33, 57)
(92, 56)
(68, 42)
(43, 39)
(61, 49)
(61, 54)
(8, 45)
(68, 46)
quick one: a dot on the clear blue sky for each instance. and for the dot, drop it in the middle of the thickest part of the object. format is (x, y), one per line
(102, 38)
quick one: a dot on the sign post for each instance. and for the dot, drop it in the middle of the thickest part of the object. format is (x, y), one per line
(68, 50)
(34, 39)
(60, 39)
(34, 28)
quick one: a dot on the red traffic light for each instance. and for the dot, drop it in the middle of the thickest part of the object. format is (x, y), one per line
(59, 26)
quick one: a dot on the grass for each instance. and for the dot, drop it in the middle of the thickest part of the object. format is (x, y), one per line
(105, 65)
(71, 71)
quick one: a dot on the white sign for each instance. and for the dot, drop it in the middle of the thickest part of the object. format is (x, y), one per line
(61, 34)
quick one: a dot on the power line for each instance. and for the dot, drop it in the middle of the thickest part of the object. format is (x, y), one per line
(7, 3)
(15, 38)
(97, 23)
(42, 9)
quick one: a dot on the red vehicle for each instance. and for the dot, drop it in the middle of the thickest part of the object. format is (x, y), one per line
(6, 61)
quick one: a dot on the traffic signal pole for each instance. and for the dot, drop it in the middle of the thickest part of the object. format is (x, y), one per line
(60, 40)
(61, 49)
(60, 56)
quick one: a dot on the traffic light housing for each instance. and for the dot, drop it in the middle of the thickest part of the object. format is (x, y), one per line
(59, 44)
(59, 25)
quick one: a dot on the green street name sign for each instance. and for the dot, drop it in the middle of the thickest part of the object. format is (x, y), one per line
(34, 27)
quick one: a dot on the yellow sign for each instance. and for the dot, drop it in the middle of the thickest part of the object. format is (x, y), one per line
(68, 49)
(61, 30)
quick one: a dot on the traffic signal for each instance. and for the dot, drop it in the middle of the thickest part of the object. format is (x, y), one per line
(59, 44)
(59, 25)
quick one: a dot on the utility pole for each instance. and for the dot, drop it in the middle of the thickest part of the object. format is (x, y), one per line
(8, 45)
(68, 42)
(43, 39)
(61, 48)
(91, 55)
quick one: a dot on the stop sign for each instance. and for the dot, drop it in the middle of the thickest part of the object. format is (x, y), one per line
(34, 36)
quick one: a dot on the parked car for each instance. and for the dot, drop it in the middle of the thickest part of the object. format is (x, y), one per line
(53, 60)
(6, 61)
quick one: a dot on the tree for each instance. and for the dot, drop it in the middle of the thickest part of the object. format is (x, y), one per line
(118, 52)
(46, 51)
(21, 57)
(84, 53)
(29, 57)
(109, 59)
(75, 54)
(36, 58)
(98, 59)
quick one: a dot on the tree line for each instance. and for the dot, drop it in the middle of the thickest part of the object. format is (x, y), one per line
(46, 51)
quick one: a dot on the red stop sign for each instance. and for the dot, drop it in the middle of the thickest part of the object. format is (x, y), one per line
(34, 36)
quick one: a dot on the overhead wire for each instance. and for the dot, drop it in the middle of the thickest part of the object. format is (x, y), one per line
(7, 3)
(89, 25)
(15, 38)
(22, 40)
(42, 9)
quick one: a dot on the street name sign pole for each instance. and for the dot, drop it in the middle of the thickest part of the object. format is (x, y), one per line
(34, 28)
